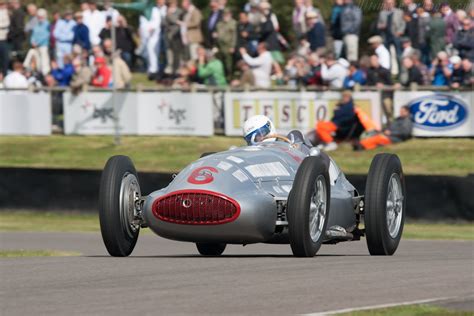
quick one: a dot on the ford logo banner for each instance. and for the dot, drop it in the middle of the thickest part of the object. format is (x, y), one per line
(438, 112)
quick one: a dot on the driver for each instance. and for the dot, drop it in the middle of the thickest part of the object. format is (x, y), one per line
(256, 128)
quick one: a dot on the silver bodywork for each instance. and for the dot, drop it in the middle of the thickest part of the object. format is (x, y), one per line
(259, 178)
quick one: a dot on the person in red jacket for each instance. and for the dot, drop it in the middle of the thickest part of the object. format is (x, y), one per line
(103, 74)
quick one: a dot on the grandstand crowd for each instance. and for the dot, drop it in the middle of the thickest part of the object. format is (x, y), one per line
(411, 43)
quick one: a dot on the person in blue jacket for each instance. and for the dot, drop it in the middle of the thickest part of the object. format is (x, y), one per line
(81, 33)
(355, 76)
(316, 35)
(63, 75)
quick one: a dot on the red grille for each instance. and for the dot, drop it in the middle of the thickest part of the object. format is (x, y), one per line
(196, 207)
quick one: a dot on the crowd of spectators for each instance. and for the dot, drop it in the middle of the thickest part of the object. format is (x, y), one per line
(410, 44)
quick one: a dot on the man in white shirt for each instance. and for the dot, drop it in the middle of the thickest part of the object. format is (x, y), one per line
(16, 79)
(381, 51)
(95, 21)
(333, 72)
(261, 65)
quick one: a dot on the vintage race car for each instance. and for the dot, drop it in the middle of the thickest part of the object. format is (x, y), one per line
(280, 191)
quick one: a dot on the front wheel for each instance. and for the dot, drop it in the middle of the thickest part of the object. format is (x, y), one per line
(210, 249)
(308, 207)
(119, 190)
(384, 213)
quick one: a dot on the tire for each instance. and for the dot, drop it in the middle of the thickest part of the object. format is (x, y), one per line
(384, 202)
(311, 181)
(210, 249)
(116, 209)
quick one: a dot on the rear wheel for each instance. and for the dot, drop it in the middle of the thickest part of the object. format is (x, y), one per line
(308, 207)
(384, 212)
(210, 249)
(119, 190)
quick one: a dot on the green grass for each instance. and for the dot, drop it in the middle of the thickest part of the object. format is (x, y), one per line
(170, 154)
(72, 222)
(36, 253)
(412, 310)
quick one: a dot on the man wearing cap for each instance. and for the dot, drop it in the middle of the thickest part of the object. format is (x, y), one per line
(39, 43)
(81, 32)
(316, 32)
(381, 51)
(64, 35)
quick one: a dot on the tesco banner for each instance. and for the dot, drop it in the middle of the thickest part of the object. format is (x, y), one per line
(143, 113)
(25, 113)
(292, 110)
(438, 114)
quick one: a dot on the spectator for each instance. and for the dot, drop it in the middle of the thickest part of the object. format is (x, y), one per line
(457, 77)
(106, 32)
(81, 33)
(441, 70)
(333, 72)
(211, 23)
(246, 76)
(351, 20)
(64, 35)
(16, 79)
(392, 26)
(437, 39)
(316, 33)
(355, 76)
(269, 32)
(408, 49)
(173, 36)
(464, 40)
(192, 37)
(16, 34)
(4, 25)
(376, 74)
(39, 41)
(125, 42)
(81, 77)
(468, 68)
(62, 75)
(152, 42)
(342, 121)
(211, 69)
(423, 33)
(381, 51)
(311, 8)
(227, 40)
(32, 20)
(103, 75)
(411, 74)
(261, 65)
(110, 12)
(52, 39)
(425, 72)
(299, 19)
(246, 34)
(313, 75)
(409, 6)
(95, 22)
(411, 29)
(452, 24)
(399, 131)
(35, 78)
(121, 73)
(336, 22)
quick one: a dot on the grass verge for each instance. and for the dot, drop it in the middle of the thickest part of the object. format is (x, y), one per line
(67, 222)
(170, 154)
(36, 253)
(412, 310)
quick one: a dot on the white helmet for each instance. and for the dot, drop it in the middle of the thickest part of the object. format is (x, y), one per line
(256, 128)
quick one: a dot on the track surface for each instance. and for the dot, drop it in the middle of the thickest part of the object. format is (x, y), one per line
(165, 277)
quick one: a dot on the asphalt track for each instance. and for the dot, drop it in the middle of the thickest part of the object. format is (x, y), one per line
(165, 277)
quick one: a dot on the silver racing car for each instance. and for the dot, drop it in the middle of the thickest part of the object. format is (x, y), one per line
(283, 191)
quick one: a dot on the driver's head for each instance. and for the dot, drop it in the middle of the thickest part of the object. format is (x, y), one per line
(256, 128)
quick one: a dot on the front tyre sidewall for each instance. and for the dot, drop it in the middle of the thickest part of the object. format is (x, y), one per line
(118, 239)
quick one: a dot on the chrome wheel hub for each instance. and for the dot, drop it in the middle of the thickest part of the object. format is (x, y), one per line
(129, 195)
(394, 205)
(317, 211)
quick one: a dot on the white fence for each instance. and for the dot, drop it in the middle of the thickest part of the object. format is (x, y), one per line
(435, 114)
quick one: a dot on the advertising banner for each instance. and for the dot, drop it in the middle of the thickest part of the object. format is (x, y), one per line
(292, 110)
(175, 113)
(25, 113)
(142, 113)
(438, 114)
